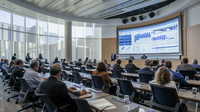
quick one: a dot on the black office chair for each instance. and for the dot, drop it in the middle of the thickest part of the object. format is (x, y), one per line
(90, 67)
(155, 63)
(165, 98)
(65, 76)
(83, 69)
(154, 69)
(116, 74)
(146, 77)
(44, 70)
(77, 77)
(198, 69)
(126, 88)
(177, 81)
(98, 83)
(27, 93)
(190, 74)
(49, 106)
(82, 105)
(130, 70)
(72, 68)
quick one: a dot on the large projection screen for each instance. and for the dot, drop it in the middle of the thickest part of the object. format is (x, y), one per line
(159, 38)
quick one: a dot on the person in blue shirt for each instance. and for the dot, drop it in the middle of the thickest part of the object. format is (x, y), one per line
(6, 64)
(194, 63)
(183, 82)
(147, 68)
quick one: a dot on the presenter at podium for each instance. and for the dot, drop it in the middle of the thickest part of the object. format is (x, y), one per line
(113, 57)
(131, 57)
(144, 57)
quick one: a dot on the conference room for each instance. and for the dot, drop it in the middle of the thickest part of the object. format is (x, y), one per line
(99, 55)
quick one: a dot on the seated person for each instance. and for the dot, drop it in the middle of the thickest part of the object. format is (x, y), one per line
(147, 68)
(182, 80)
(101, 70)
(162, 64)
(58, 91)
(40, 57)
(131, 65)
(5, 64)
(86, 60)
(163, 78)
(1, 63)
(194, 63)
(31, 76)
(64, 63)
(56, 60)
(131, 57)
(89, 62)
(185, 66)
(46, 62)
(94, 62)
(117, 66)
(11, 64)
(106, 64)
(28, 58)
(144, 57)
(79, 63)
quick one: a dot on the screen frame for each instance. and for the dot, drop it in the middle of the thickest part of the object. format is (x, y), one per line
(180, 36)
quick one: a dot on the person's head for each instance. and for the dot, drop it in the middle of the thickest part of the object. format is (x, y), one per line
(162, 61)
(147, 63)
(101, 67)
(89, 61)
(79, 59)
(105, 61)
(19, 63)
(5, 61)
(112, 52)
(143, 54)
(27, 54)
(95, 60)
(130, 56)
(61, 59)
(1, 60)
(55, 71)
(185, 60)
(45, 60)
(56, 59)
(118, 61)
(34, 66)
(64, 60)
(37, 59)
(86, 59)
(130, 61)
(168, 64)
(40, 55)
(15, 54)
(194, 61)
(163, 76)
(11, 63)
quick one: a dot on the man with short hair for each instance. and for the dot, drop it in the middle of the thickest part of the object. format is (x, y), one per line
(14, 57)
(162, 63)
(182, 80)
(117, 66)
(185, 66)
(144, 57)
(147, 68)
(106, 64)
(58, 91)
(113, 57)
(18, 71)
(31, 76)
(195, 63)
(131, 65)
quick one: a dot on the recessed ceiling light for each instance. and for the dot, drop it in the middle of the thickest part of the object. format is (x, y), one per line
(3, 4)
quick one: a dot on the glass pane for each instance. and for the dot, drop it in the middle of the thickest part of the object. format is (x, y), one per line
(97, 32)
(53, 48)
(61, 30)
(5, 34)
(43, 46)
(74, 50)
(89, 48)
(42, 27)
(18, 46)
(5, 20)
(80, 48)
(31, 25)
(5, 44)
(61, 48)
(53, 29)
(96, 49)
(18, 23)
(89, 30)
(31, 45)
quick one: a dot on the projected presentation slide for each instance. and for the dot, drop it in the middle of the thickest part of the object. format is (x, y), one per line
(160, 38)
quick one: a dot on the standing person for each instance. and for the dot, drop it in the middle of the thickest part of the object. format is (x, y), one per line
(86, 60)
(113, 57)
(40, 56)
(14, 57)
(28, 58)
(144, 57)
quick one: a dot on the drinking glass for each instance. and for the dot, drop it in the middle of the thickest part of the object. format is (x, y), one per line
(126, 99)
(187, 78)
(138, 80)
(194, 91)
(81, 85)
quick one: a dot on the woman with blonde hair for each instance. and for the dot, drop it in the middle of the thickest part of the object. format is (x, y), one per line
(11, 64)
(163, 78)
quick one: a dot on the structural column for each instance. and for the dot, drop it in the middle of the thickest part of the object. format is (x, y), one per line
(68, 41)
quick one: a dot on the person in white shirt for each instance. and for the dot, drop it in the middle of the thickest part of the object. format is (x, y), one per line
(163, 78)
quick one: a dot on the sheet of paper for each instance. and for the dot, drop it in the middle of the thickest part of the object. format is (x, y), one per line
(101, 104)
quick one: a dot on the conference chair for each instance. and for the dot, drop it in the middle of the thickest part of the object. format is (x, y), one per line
(126, 88)
(83, 69)
(77, 77)
(177, 81)
(90, 67)
(130, 70)
(98, 83)
(65, 76)
(198, 69)
(165, 98)
(155, 63)
(116, 74)
(190, 74)
(146, 77)
(72, 68)
(82, 105)
(27, 93)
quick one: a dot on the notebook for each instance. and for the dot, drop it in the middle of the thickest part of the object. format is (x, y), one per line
(101, 104)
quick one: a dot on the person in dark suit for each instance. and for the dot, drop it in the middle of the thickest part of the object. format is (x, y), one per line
(56, 60)
(95, 62)
(28, 58)
(147, 68)
(117, 66)
(40, 56)
(185, 66)
(162, 64)
(144, 57)
(14, 57)
(131, 65)
(113, 57)
(131, 57)
(64, 63)
(79, 63)
(86, 60)
(18, 71)
(58, 91)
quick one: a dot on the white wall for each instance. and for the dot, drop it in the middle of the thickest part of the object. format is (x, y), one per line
(193, 15)
(109, 32)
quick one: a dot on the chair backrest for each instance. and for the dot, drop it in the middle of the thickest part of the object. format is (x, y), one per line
(82, 69)
(90, 67)
(98, 82)
(177, 81)
(72, 68)
(126, 87)
(116, 74)
(77, 77)
(146, 77)
(198, 69)
(65, 76)
(24, 84)
(130, 70)
(190, 74)
(165, 98)
(48, 103)
(83, 105)
(154, 69)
